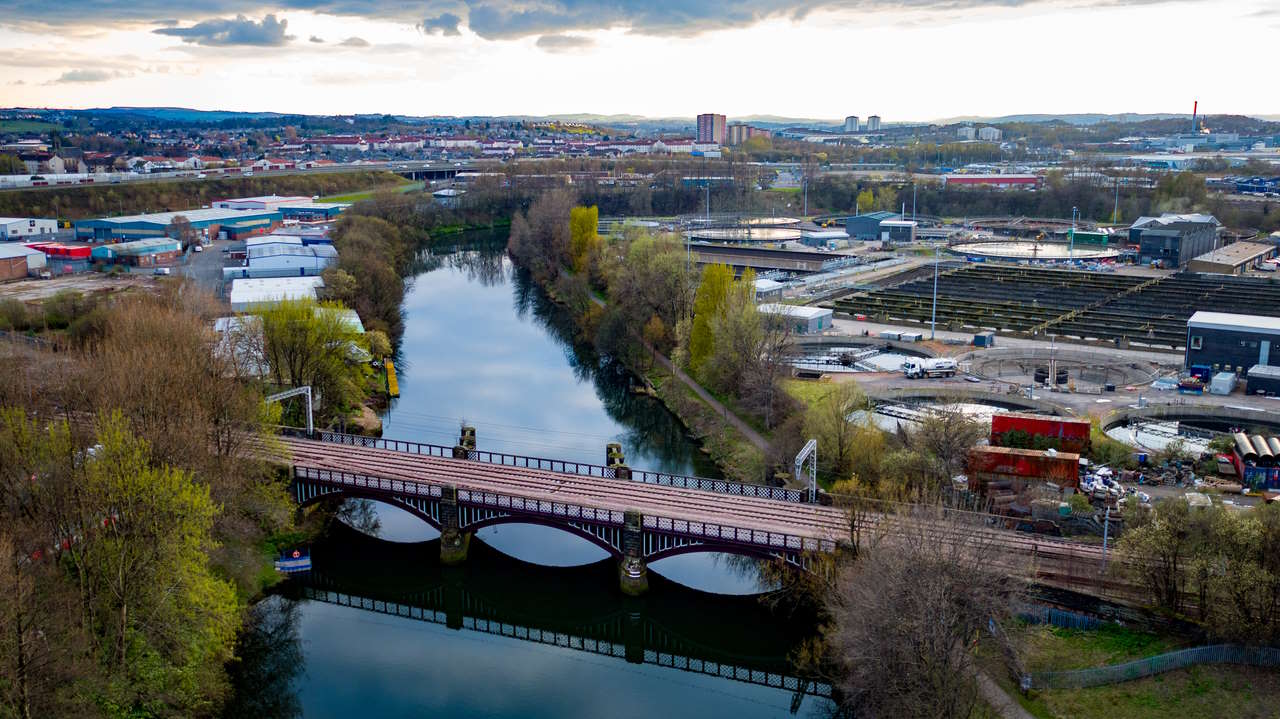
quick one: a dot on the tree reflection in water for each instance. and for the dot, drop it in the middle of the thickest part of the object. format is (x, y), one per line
(360, 514)
(269, 661)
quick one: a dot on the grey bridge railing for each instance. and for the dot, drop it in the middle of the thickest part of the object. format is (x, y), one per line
(1140, 668)
(567, 511)
(720, 486)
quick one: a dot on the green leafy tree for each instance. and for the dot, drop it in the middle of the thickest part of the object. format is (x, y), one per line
(166, 623)
(707, 303)
(866, 201)
(12, 165)
(833, 421)
(305, 343)
(339, 285)
(584, 241)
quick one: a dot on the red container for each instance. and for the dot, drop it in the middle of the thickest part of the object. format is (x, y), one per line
(1072, 435)
(989, 463)
(60, 251)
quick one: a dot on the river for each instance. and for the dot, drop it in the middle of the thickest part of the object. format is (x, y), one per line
(532, 624)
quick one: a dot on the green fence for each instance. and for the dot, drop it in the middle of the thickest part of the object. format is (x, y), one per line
(1137, 669)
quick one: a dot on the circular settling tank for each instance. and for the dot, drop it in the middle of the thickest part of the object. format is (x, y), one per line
(1027, 250)
(770, 222)
(744, 234)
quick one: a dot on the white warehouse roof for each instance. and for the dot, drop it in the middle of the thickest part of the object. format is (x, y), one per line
(12, 220)
(10, 250)
(797, 311)
(273, 239)
(261, 290)
(286, 248)
(1228, 321)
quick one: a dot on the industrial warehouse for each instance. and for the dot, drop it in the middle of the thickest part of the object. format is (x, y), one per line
(213, 223)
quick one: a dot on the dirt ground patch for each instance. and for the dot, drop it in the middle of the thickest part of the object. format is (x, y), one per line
(87, 283)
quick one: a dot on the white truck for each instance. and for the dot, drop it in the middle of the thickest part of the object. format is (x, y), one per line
(939, 367)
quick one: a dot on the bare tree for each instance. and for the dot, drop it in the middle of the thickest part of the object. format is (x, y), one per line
(181, 230)
(907, 612)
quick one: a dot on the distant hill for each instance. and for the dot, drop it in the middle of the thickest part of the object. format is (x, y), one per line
(1072, 119)
(180, 114)
(189, 115)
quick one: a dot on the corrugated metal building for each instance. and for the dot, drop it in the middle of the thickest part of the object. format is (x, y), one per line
(22, 228)
(1172, 239)
(1232, 259)
(63, 259)
(210, 223)
(1230, 342)
(867, 226)
(313, 211)
(262, 202)
(309, 259)
(140, 253)
(247, 294)
(312, 235)
(19, 261)
(806, 320)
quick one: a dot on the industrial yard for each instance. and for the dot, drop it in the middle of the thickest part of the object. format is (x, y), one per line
(1069, 304)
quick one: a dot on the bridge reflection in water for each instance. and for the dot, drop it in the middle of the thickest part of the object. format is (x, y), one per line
(716, 636)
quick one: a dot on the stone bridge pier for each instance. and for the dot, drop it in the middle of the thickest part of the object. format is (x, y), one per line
(633, 573)
(453, 540)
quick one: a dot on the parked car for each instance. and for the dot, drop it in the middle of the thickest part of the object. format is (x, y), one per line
(162, 271)
(197, 248)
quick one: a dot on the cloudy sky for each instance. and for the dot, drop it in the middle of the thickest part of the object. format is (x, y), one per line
(901, 59)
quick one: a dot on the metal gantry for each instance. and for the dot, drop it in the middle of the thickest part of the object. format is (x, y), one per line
(809, 453)
(305, 391)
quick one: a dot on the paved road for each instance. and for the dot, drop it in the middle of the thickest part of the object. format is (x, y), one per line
(378, 165)
(206, 267)
(1134, 354)
(1003, 704)
(747, 431)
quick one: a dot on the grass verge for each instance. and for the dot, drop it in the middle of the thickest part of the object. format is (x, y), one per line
(1205, 691)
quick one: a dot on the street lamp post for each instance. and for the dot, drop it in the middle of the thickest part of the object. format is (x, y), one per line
(933, 322)
(1071, 248)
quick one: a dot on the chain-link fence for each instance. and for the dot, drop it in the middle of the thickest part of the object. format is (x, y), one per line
(1139, 668)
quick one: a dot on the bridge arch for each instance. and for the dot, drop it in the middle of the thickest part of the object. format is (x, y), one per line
(419, 512)
(710, 548)
(603, 542)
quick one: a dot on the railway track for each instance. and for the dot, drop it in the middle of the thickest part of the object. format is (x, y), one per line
(1054, 561)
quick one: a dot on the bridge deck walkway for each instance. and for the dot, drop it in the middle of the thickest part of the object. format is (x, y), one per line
(801, 520)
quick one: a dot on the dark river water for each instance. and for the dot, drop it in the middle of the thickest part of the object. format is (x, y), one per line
(533, 623)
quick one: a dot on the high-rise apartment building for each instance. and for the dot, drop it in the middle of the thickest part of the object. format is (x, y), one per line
(873, 123)
(711, 128)
(739, 133)
(851, 123)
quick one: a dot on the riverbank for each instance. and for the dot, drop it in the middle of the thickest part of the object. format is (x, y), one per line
(736, 448)
(720, 432)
